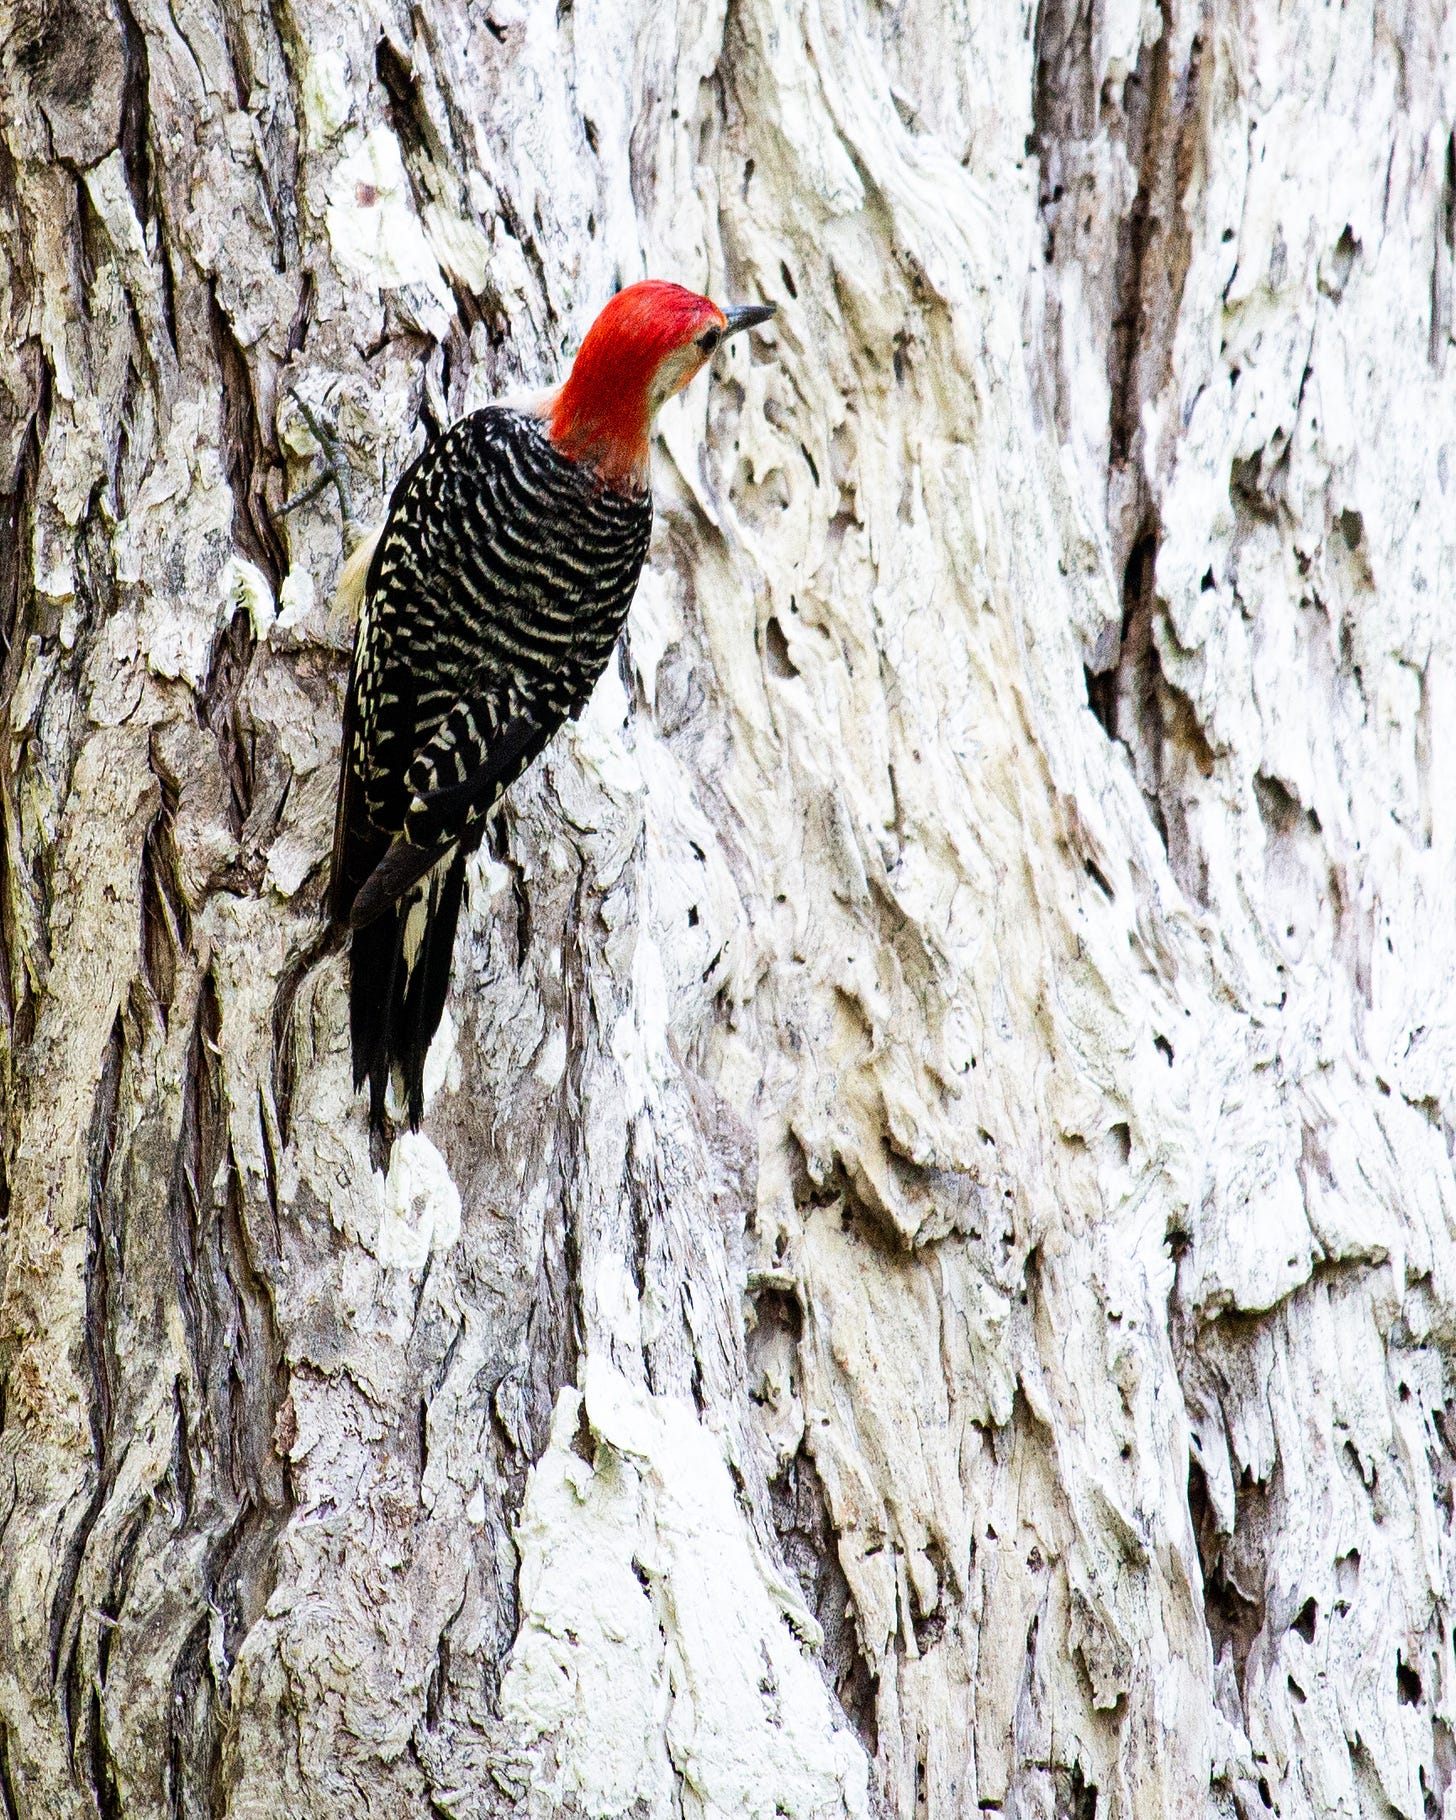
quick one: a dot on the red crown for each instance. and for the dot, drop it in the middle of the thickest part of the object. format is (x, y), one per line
(601, 414)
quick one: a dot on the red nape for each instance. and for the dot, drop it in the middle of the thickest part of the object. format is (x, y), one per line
(603, 413)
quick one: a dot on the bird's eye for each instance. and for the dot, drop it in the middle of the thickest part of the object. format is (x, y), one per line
(709, 340)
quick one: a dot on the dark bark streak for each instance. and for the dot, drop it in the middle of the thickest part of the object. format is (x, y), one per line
(115, 1595)
(197, 1143)
(17, 525)
(166, 921)
(269, 1141)
(1235, 1614)
(135, 135)
(1145, 97)
(242, 1569)
(410, 119)
(219, 711)
(103, 1270)
(632, 1190)
(180, 1466)
(248, 451)
(299, 965)
(1064, 94)
(302, 317)
(100, 1766)
(240, 56)
(194, 1733)
(1155, 244)
(432, 155)
(429, 164)
(557, 1317)
(810, 1546)
(1158, 113)
(437, 1688)
(229, 1476)
(70, 57)
(8, 1803)
(105, 1254)
(1442, 278)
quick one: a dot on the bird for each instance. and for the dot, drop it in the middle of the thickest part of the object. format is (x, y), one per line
(489, 602)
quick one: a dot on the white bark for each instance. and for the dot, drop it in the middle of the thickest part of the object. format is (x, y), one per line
(927, 1284)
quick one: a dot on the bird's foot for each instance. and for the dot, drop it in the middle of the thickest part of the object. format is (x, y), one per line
(335, 464)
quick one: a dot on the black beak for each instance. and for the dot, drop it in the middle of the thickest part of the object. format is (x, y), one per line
(747, 316)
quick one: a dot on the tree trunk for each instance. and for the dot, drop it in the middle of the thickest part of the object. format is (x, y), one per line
(927, 1284)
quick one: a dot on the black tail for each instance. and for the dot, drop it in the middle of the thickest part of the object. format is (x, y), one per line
(397, 993)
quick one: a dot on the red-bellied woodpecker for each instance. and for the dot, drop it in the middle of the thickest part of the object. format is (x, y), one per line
(489, 604)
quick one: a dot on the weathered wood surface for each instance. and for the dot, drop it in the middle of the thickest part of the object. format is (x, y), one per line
(927, 1283)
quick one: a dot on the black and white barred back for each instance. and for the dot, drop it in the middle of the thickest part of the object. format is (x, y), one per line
(495, 595)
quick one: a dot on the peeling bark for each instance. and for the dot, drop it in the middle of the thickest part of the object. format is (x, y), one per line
(926, 1284)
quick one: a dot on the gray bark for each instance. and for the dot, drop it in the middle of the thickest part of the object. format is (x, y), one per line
(927, 1283)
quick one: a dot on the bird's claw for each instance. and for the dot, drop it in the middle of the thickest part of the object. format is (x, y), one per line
(335, 464)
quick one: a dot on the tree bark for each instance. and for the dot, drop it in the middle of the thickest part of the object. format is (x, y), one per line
(927, 1284)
